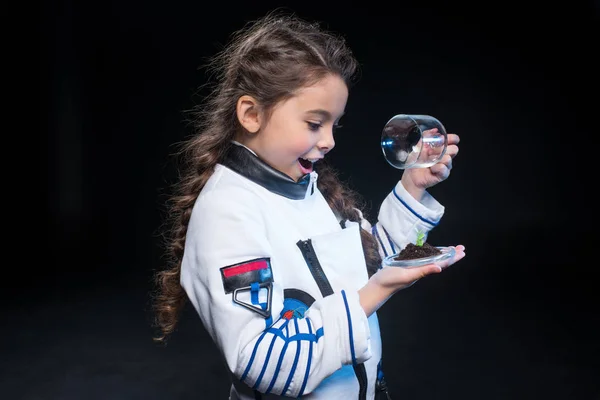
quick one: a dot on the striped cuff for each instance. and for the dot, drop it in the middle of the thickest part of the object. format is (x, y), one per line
(429, 211)
(401, 217)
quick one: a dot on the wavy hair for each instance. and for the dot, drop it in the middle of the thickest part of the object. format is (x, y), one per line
(269, 59)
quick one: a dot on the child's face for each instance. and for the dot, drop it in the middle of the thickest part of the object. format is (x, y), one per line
(302, 127)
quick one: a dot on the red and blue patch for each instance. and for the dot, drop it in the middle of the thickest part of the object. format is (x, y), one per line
(250, 276)
(242, 275)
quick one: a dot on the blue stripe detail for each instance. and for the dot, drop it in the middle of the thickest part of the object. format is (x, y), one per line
(299, 336)
(310, 350)
(252, 356)
(269, 321)
(413, 211)
(278, 333)
(254, 288)
(278, 367)
(389, 240)
(376, 233)
(254, 291)
(309, 337)
(294, 365)
(319, 333)
(266, 362)
(349, 328)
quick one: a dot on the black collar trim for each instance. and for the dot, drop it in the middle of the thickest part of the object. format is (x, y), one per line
(241, 160)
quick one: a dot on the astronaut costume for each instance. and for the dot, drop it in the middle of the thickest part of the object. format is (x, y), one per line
(274, 276)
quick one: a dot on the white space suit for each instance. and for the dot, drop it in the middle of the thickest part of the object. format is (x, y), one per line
(274, 278)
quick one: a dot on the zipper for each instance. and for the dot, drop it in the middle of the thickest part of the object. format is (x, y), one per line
(314, 266)
(361, 375)
(381, 389)
(310, 188)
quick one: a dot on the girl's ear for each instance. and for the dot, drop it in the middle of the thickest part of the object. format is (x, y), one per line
(248, 113)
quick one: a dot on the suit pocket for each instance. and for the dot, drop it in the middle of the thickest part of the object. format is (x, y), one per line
(341, 258)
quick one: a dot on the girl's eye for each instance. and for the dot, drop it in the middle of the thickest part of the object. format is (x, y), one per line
(314, 126)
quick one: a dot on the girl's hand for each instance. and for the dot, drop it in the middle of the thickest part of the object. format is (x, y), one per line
(416, 180)
(387, 281)
(396, 278)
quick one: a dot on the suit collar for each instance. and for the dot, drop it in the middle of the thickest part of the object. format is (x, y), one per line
(245, 162)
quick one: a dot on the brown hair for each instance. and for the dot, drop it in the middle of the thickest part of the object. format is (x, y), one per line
(269, 60)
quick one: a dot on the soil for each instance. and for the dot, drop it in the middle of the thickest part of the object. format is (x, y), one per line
(412, 251)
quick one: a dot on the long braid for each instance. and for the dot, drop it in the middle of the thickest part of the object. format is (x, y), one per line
(200, 155)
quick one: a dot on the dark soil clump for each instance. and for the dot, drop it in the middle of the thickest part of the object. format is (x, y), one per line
(412, 251)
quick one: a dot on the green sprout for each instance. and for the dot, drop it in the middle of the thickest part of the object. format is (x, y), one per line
(420, 238)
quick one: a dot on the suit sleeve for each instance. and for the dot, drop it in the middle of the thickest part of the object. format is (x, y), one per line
(281, 353)
(401, 217)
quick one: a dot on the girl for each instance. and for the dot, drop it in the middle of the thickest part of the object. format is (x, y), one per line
(269, 247)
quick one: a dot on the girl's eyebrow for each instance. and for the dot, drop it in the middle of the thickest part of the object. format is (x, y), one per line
(323, 113)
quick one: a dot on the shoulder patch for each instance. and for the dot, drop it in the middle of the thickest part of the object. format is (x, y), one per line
(242, 275)
(246, 280)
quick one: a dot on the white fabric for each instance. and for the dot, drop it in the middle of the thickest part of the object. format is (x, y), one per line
(235, 220)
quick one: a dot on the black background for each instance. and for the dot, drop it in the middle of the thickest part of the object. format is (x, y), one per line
(516, 319)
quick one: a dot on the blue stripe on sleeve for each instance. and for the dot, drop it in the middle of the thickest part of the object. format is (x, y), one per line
(293, 370)
(413, 211)
(389, 240)
(266, 362)
(349, 328)
(319, 333)
(376, 233)
(281, 355)
(278, 332)
(310, 350)
(253, 355)
(254, 288)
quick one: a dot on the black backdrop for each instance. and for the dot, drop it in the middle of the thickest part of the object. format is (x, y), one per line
(515, 319)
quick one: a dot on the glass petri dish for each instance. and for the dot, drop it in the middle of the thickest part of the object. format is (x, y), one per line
(447, 253)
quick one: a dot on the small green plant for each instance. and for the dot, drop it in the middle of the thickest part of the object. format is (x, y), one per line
(420, 238)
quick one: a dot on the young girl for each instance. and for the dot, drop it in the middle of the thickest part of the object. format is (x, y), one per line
(269, 247)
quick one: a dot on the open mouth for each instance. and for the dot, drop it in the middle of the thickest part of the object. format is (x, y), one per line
(305, 165)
